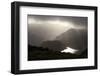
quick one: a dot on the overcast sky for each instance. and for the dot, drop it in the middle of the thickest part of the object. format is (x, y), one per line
(42, 28)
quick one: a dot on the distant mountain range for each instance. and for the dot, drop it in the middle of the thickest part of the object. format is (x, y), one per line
(55, 45)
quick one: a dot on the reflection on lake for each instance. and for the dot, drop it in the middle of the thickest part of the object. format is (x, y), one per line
(69, 50)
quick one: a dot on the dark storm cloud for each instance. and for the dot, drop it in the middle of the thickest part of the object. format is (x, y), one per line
(76, 20)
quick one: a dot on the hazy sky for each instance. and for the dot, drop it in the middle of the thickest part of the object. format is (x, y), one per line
(42, 28)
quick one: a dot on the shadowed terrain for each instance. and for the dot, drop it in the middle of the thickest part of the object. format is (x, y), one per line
(40, 53)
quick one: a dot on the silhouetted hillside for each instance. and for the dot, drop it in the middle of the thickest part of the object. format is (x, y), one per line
(40, 53)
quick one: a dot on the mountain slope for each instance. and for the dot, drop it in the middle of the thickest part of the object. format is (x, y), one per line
(76, 39)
